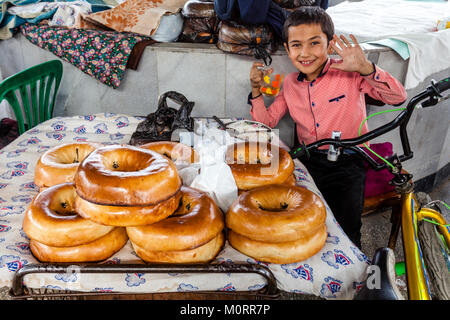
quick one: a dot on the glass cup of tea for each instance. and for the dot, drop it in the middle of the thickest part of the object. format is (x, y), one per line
(271, 83)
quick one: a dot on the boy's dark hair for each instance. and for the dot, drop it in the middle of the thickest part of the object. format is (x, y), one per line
(309, 15)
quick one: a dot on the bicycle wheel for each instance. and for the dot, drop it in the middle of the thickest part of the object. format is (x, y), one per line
(437, 260)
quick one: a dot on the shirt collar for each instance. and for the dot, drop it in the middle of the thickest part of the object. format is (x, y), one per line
(325, 67)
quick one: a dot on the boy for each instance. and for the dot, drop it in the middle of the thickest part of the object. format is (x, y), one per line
(327, 95)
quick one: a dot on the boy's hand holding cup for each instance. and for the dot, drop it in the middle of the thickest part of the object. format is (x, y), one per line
(257, 78)
(263, 81)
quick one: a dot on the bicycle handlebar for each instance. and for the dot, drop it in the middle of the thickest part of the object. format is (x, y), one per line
(433, 93)
(442, 85)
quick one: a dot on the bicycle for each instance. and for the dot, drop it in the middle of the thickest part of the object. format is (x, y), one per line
(425, 234)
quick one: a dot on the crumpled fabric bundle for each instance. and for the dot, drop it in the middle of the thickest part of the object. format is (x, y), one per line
(250, 40)
(14, 13)
(66, 13)
(200, 22)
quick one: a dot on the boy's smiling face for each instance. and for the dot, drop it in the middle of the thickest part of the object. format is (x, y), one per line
(307, 48)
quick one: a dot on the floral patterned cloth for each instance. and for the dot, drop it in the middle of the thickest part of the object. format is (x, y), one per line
(335, 272)
(101, 54)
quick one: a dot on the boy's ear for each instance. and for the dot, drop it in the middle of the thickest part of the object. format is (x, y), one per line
(286, 47)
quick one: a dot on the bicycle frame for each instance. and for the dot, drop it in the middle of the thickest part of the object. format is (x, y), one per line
(411, 212)
(416, 275)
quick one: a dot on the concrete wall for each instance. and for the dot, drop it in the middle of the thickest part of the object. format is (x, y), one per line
(218, 84)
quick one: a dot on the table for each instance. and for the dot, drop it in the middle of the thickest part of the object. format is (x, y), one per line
(336, 272)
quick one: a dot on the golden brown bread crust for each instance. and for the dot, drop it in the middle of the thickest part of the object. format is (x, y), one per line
(126, 175)
(201, 254)
(51, 219)
(59, 164)
(282, 252)
(97, 250)
(258, 164)
(175, 151)
(194, 223)
(124, 216)
(289, 182)
(276, 213)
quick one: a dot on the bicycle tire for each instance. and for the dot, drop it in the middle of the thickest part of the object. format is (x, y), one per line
(436, 259)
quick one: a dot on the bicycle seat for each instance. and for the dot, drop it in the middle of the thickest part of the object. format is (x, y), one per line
(380, 283)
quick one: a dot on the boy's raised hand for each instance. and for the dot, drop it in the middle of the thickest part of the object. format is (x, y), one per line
(353, 58)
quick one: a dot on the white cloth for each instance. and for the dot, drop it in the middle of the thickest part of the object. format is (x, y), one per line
(32, 10)
(67, 12)
(378, 19)
(428, 53)
(64, 15)
(335, 272)
(409, 21)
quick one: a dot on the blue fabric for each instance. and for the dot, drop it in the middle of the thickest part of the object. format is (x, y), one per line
(6, 18)
(276, 17)
(257, 12)
(224, 9)
(252, 12)
(322, 3)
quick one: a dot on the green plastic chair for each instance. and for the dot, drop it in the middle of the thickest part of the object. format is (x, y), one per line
(34, 86)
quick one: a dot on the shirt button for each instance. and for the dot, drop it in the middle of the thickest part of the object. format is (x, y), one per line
(377, 77)
(313, 104)
(317, 125)
(311, 84)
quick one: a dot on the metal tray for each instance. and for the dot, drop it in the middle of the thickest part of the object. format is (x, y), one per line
(20, 291)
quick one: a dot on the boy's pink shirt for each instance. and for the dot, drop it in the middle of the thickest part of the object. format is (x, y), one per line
(334, 101)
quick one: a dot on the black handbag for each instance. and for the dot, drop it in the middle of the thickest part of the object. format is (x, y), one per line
(159, 125)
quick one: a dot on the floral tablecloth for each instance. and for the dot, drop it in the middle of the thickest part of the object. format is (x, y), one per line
(336, 272)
